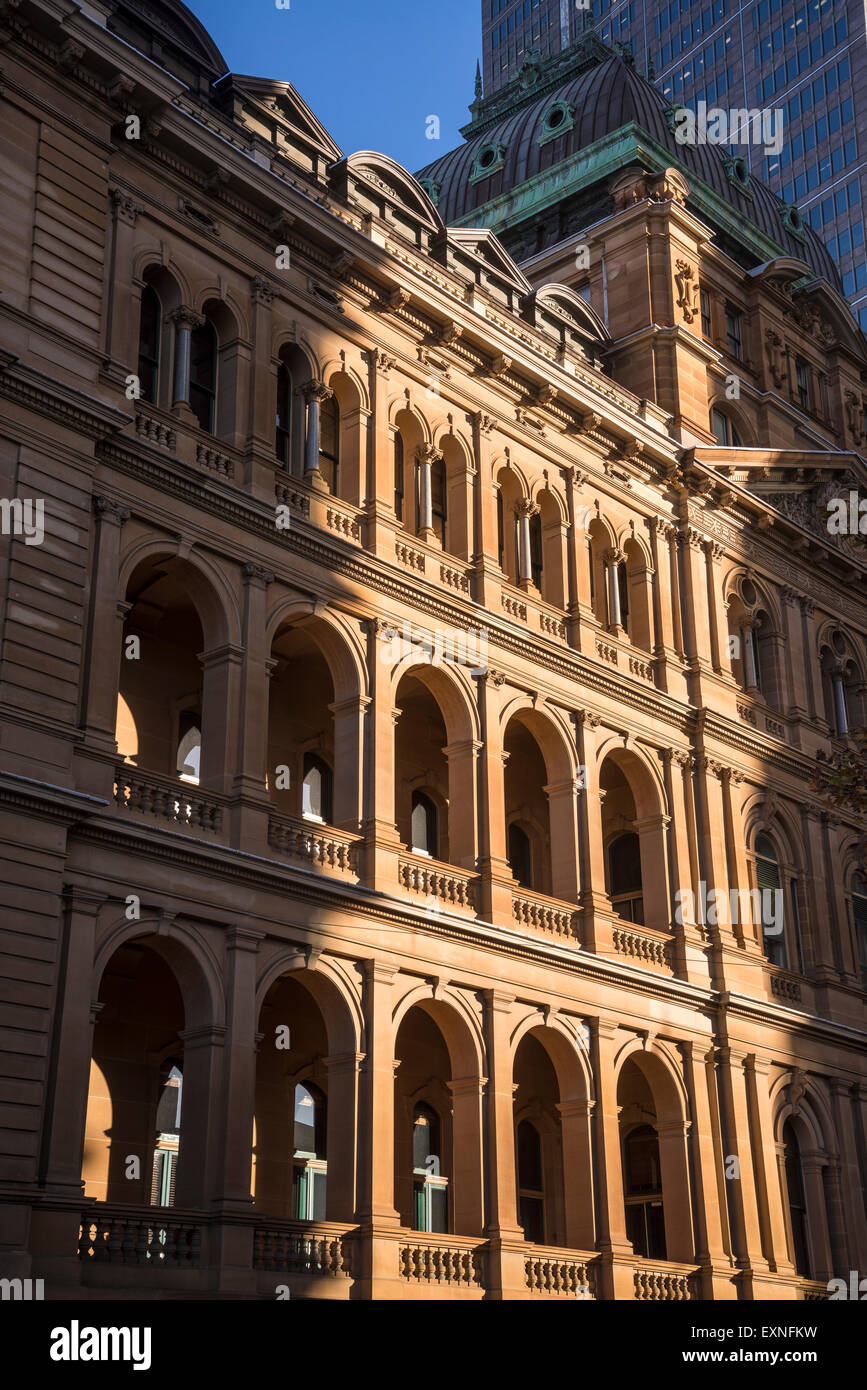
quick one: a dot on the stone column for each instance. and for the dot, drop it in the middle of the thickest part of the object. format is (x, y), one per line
(382, 842)
(506, 1238)
(676, 1197)
(665, 642)
(202, 1118)
(812, 1167)
(596, 911)
(562, 809)
(695, 610)
(843, 1100)
(719, 630)
(689, 959)
(613, 559)
(525, 558)
(496, 875)
(709, 1199)
(748, 644)
(485, 549)
(617, 1255)
(426, 455)
(747, 932)
(738, 1161)
(577, 1135)
(463, 817)
(468, 1155)
(764, 1157)
(375, 1250)
(380, 521)
(811, 659)
(840, 710)
(259, 478)
(344, 1078)
(248, 783)
(103, 653)
(123, 311)
(314, 393)
(185, 320)
(797, 658)
(221, 710)
(349, 716)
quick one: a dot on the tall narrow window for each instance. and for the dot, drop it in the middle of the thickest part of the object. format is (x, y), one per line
(520, 857)
(645, 1216)
(438, 499)
(189, 758)
(329, 441)
(149, 343)
(734, 337)
(859, 922)
(398, 476)
(624, 875)
(536, 550)
(283, 440)
(531, 1189)
(704, 301)
(623, 590)
(723, 430)
(316, 789)
(424, 825)
(771, 901)
(203, 374)
(309, 1153)
(802, 380)
(797, 1201)
(501, 532)
(430, 1186)
(168, 1137)
(591, 569)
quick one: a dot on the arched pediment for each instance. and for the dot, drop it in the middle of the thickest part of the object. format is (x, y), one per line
(566, 306)
(388, 178)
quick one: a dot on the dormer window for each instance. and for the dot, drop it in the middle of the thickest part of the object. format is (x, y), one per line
(793, 222)
(489, 159)
(738, 173)
(559, 118)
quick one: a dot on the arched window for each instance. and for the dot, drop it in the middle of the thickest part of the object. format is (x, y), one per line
(309, 1153)
(329, 442)
(769, 885)
(723, 430)
(189, 757)
(624, 877)
(797, 1201)
(531, 1187)
(283, 439)
(536, 550)
(642, 1177)
(859, 921)
(424, 825)
(438, 499)
(203, 374)
(168, 1136)
(520, 855)
(430, 1186)
(150, 324)
(398, 476)
(316, 792)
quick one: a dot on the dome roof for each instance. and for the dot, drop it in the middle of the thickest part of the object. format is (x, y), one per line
(591, 106)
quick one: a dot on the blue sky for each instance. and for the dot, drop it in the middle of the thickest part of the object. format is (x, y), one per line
(371, 70)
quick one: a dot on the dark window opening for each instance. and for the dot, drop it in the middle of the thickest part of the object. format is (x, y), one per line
(149, 343)
(203, 374)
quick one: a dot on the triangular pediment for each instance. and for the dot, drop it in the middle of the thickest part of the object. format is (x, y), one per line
(279, 102)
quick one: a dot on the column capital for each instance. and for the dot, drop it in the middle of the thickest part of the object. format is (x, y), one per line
(499, 1000)
(257, 576)
(244, 939)
(185, 317)
(314, 390)
(110, 511)
(526, 508)
(379, 972)
(261, 292)
(426, 453)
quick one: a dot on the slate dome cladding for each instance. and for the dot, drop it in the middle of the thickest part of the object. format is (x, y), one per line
(605, 98)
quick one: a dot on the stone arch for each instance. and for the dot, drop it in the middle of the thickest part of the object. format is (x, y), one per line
(798, 1104)
(662, 1081)
(206, 582)
(635, 805)
(323, 978)
(235, 321)
(450, 686)
(540, 788)
(742, 423)
(339, 641)
(184, 950)
(568, 1057)
(460, 1028)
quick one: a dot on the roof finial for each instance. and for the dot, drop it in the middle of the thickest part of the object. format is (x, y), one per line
(478, 91)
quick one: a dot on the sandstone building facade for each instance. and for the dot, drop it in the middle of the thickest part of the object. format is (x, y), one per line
(407, 629)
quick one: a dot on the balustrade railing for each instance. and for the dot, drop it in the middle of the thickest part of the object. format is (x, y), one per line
(646, 949)
(561, 1273)
(547, 915)
(660, 1282)
(153, 1237)
(179, 803)
(319, 846)
(445, 888)
(303, 1247)
(446, 1260)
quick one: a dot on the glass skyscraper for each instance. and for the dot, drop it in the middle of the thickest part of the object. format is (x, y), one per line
(807, 61)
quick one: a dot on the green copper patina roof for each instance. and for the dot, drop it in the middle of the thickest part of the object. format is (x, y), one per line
(612, 117)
